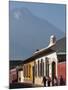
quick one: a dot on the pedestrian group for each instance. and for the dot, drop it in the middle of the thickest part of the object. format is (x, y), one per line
(47, 81)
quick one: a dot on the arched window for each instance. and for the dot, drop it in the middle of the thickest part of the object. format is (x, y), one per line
(29, 70)
(38, 69)
(24, 71)
(53, 69)
(35, 66)
(42, 68)
(47, 66)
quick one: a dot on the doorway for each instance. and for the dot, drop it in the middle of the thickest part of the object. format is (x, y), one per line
(53, 69)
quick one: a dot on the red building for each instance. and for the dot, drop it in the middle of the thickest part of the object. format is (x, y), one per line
(15, 66)
(60, 49)
(13, 75)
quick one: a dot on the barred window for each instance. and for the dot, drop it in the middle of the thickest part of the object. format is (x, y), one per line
(35, 65)
(29, 70)
(38, 69)
(47, 67)
(41, 68)
(24, 70)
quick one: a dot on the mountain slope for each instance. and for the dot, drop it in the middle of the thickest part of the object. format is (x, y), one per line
(28, 33)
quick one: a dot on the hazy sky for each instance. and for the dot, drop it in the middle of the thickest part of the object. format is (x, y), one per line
(23, 42)
(54, 13)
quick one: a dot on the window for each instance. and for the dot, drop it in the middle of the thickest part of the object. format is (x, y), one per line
(29, 70)
(47, 67)
(35, 65)
(24, 70)
(53, 69)
(41, 68)
(38, 68)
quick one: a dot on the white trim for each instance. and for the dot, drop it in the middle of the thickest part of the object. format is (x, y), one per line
(61, 53)
(61, 62)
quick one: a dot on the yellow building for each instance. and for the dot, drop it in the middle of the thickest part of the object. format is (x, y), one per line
(28, 70)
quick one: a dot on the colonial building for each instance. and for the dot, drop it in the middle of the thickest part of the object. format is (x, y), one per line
(16, 71)
(20, 74)
(49, 61)
(28, 70)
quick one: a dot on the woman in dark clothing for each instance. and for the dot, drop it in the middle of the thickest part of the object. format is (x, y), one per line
(52, 82)
(44, 81)
(61, 81)
(49, 81)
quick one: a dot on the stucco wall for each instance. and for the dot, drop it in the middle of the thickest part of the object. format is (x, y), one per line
(52, 57)
(29, 79)
(20, 76)
(62, 70)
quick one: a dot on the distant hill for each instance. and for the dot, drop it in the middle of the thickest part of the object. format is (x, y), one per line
(14, 63)
(28, 33)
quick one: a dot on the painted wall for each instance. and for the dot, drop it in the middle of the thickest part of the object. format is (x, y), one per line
(20, 76)
(29, 78)
(12, 75)
(62, 70)
(52, 57)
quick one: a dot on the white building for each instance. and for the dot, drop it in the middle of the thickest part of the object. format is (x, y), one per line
(46, 62)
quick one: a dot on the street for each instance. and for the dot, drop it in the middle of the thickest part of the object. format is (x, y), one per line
(20, 85)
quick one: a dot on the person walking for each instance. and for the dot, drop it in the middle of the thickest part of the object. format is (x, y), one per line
(55, 81)
(49, 81)
(62, 81)
(44, 81)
